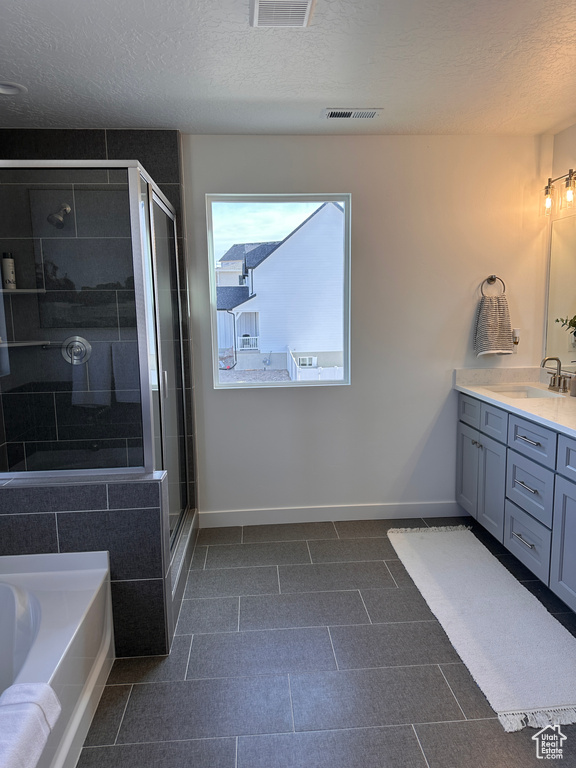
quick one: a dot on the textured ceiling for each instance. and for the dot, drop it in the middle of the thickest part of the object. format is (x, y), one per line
(434, 66)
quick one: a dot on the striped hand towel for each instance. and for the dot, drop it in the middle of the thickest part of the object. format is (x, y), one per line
(493, 332)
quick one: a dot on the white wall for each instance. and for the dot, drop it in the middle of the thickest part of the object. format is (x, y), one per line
(564, 152)
(432, 216)
(225, 277)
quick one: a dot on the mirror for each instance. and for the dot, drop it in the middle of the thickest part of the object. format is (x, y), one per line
(560, 341)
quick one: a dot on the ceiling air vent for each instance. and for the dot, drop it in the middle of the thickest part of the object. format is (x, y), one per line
(281, 13)
(338, 113)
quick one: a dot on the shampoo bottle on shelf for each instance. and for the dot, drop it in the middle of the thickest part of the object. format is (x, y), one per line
(8, 273)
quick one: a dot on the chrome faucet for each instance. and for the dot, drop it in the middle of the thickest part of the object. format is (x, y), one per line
(556, 379)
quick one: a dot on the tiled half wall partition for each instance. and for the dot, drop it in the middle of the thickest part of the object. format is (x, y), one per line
(124, 517)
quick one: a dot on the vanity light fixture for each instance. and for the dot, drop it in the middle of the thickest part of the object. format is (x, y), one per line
(567, 196)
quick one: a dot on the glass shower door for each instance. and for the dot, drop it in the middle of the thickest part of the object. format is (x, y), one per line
(168, 332)
(70, 390)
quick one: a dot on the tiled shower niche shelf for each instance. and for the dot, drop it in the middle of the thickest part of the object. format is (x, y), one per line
(28, 344)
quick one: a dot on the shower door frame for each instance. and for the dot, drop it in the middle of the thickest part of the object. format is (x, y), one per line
(161, 201)
(138, 232)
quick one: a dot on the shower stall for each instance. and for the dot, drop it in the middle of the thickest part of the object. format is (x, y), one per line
(91, 318)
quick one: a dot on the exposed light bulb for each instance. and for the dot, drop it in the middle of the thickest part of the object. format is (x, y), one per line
(549, 198)
(568, 197)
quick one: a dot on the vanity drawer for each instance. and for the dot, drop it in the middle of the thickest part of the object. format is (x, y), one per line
(530, 486)
(532, 440)
(528, 539)
(566, 460)
(494, 422)
(469, 411)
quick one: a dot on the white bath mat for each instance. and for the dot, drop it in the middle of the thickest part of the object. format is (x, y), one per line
(522, 658)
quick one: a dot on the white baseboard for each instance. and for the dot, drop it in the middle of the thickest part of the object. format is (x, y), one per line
(230, 517)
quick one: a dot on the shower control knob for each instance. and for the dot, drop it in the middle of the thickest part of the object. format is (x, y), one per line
(76, 350)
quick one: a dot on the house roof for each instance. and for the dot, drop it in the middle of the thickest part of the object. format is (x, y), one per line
(257, 255)
(230, 296)
(239, 250)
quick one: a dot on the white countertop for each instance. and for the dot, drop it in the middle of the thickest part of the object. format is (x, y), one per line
(558, 413)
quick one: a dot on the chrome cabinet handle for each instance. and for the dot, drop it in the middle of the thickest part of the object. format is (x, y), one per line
(527, 487)
(530, 546)
(527, 440)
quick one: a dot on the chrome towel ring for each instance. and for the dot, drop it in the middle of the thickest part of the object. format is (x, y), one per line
(491, 280)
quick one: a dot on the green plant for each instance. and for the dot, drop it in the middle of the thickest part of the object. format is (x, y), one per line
(569, 323)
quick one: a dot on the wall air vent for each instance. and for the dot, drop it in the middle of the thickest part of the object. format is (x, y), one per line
(338, 113)
(281, 13)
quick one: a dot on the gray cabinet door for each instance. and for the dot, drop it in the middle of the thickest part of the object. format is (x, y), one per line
(494, 422)
(467, 468)
(563, 562)
(491, 485)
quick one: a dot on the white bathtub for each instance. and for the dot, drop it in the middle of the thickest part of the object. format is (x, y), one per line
(56, 623)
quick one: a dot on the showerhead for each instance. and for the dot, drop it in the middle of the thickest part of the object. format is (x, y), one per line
(57, 219)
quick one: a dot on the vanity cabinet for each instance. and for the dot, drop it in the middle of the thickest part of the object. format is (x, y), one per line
(563, 557)
(481, 467)
(532, 510)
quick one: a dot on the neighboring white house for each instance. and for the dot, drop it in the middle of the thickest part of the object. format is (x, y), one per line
(292, 296)
(229, 274)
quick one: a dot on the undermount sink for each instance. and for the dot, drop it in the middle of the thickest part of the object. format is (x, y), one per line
(522, 391)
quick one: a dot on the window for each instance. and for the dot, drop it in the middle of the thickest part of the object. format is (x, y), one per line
(279, 283)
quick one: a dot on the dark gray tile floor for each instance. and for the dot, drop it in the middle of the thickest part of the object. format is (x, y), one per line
(308, 646)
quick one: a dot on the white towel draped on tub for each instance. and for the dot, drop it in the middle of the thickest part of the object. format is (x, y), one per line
(28, 713)
(493, 332)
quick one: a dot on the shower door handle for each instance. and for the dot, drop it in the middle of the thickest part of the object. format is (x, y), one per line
(164, 384)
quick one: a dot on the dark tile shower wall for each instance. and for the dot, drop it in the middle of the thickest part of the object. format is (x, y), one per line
(85, 274)
(73, 517)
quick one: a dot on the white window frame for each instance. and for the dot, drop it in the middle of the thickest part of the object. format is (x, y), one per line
(345, 201)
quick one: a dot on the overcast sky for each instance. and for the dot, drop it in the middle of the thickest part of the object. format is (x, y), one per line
(249, 222)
